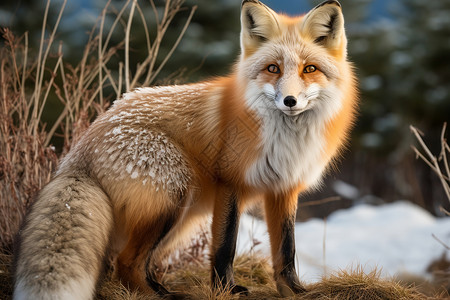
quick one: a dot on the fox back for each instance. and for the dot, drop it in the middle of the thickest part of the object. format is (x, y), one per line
(161, 160)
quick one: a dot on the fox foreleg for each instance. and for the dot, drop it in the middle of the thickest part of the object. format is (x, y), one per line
(280, 215)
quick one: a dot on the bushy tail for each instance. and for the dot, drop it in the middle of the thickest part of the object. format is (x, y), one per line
(62, 244)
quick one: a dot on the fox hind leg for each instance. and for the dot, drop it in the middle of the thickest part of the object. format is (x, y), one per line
(150, 263)
(137, 263)
(135, 260)
(224, 230)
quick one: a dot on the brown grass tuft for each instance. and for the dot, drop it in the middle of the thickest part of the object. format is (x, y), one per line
(355, 284)
(254, 272)
(193, 281)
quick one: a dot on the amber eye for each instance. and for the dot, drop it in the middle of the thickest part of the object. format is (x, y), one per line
(309, 69)
(273, 69)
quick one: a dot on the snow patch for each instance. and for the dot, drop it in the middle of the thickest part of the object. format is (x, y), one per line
(117, 131)
(394, 237)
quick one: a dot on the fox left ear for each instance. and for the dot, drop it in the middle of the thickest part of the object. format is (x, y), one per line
(324, 25)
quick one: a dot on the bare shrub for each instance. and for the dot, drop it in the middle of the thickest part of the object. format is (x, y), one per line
(440, 163)
(28, 80)
(26, 163)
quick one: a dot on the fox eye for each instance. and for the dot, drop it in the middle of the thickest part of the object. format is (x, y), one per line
(273, 69)
(309, 69)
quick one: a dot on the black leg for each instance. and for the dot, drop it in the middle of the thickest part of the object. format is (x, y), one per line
(288, 273)
(280, 216)
(150, 266)
(225, 230)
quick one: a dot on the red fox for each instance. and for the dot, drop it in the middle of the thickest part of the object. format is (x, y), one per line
(161, 159)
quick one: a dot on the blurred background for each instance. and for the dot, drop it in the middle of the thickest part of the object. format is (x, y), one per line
(401, 50)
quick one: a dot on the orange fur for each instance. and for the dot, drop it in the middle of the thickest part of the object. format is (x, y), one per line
(337, 129)
(277, 208)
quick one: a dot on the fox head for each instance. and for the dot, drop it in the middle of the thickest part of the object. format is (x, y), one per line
(293, 64)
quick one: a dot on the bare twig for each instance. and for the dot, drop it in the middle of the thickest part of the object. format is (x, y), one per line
(321, 201)
(432, 161)
(440, 242)
(444, 149)
(444, 211)
(127, 46)
(38, 103)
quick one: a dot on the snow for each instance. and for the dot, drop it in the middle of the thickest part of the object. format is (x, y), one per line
(345, 190)
(396, 238)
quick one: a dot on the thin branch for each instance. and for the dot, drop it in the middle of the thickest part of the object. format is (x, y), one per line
(433, 161)
(63, 114)
(155, 11)
(39, 62)
(421, 156)
(111, 80)
(160, 32)
(42, 70)
(141, 68)
(440, 242)
(100, 49)
(113, 26)
(144, 23)
(422, 143)
(50, 83)
(127, 46)
(25, 62)
(444, 211)
(321, 201)
(119, 84)
(444, 150)
(175, 45)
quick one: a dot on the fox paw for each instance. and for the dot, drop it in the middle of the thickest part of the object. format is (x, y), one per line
(239, 289)
(288, 290)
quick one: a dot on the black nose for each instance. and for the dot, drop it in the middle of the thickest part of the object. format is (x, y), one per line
(290, 101)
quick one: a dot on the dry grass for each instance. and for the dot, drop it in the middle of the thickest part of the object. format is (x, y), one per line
(355, 284)
(30, 81)
(26, 163)
(192, 280)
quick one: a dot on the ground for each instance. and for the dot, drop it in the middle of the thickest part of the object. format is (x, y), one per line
(192, 279)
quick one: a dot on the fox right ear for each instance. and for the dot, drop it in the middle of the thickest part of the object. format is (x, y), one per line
(258, 24)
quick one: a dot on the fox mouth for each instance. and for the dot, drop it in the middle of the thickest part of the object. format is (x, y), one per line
(293, 112)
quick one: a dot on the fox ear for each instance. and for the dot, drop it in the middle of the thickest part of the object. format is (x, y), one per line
(258, 24)
(324, 25)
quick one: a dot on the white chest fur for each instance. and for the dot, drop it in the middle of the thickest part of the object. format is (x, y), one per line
(291, 153)
(292, 148)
